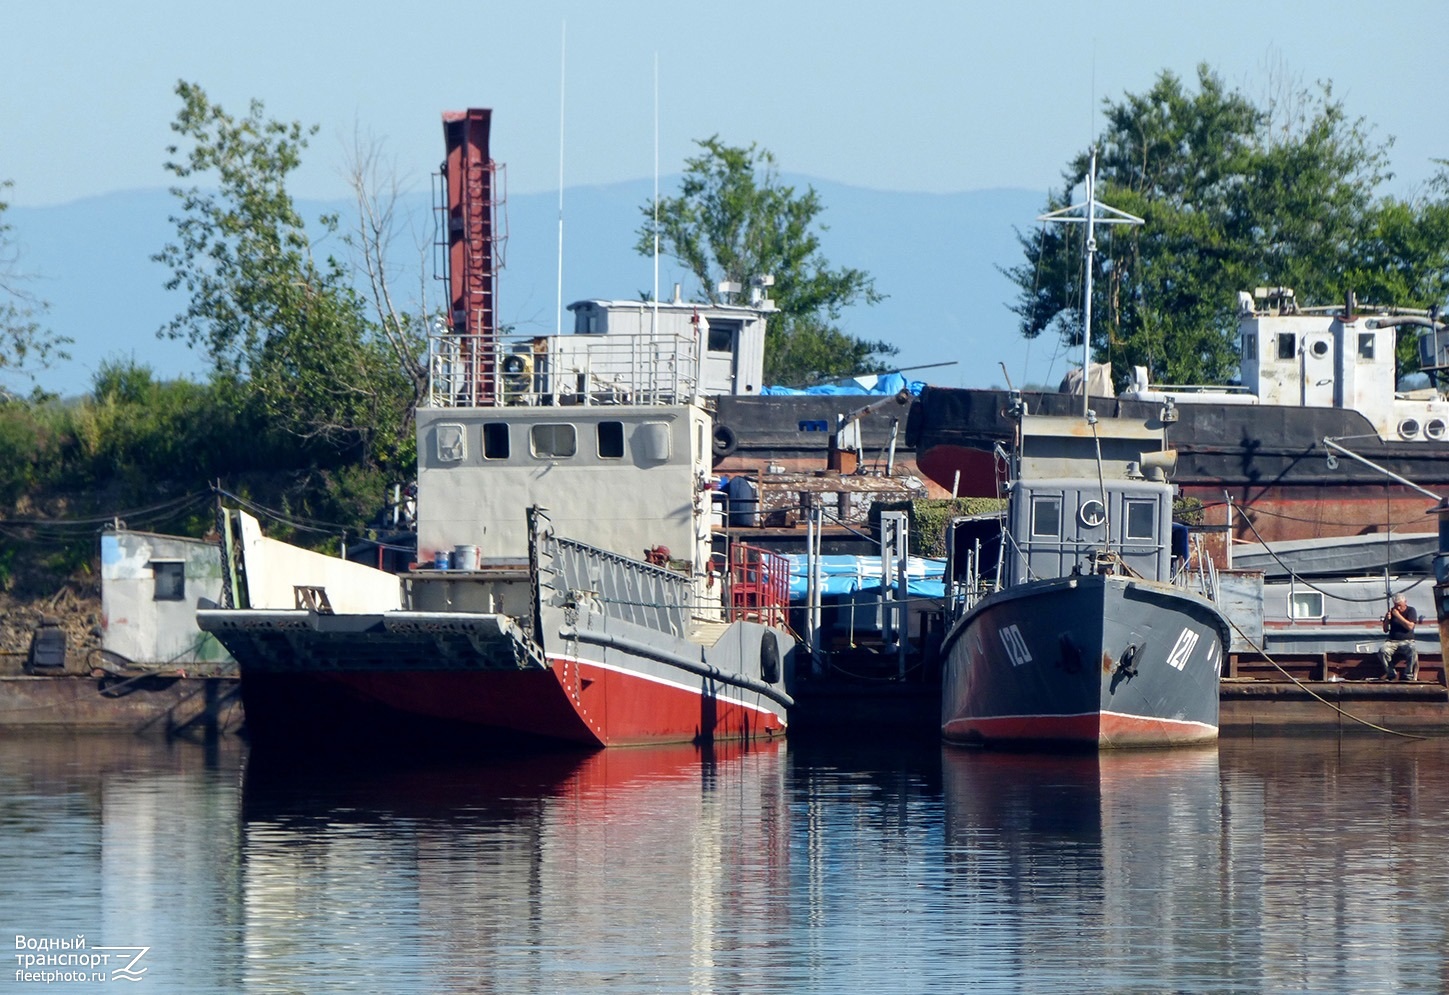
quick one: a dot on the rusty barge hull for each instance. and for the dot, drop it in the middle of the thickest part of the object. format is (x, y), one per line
(1270, 459)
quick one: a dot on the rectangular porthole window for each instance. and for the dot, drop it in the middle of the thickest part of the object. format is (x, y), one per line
(1287, 345)
(1365, 345)
(170, 580)
(1046, 517)
(1305, 604)
(495, 440)
(1142, 520)
(555, 441)
(651, 442)
(611, 440)
(452, 443)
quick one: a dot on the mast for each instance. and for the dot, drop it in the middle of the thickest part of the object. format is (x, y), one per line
(1088, 213)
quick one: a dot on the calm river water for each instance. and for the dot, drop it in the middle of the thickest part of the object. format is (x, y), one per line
(1267, 865)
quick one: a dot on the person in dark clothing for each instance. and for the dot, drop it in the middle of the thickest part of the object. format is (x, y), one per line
(1399, 623)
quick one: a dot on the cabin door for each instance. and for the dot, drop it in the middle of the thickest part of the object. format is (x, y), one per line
(1318, 370)
(721, 352)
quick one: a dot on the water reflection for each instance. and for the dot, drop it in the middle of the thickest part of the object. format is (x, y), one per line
(127, 842)
(551, 872)
(1102, 863)
(1306, 865)
(1339, 862)
(1293, 864)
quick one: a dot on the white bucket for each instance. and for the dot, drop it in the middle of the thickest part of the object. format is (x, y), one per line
(466, 557)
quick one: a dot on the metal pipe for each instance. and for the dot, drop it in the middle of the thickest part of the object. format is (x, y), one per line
(675, 660)
(1387, 473)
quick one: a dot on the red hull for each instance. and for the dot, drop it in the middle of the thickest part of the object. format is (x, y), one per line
(572, 701)
(1093, 730)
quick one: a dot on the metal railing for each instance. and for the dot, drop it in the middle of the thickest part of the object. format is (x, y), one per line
(759, 585)
(616, 585)
(502, 370)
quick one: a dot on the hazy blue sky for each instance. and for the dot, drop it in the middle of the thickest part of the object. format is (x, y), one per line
(929, 96)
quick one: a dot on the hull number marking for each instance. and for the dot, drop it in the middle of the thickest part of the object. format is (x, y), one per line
(1182, 649)
(1015, 646)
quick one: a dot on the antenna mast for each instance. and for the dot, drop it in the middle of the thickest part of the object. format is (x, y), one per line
(1088, 213)
(562, 64)
(655, 329)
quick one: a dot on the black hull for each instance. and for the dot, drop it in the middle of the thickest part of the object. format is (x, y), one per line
(1091, 661)
(1244, 447)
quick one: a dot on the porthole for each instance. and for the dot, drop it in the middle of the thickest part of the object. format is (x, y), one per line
(1434, 428)
(1408, 428)
(1319, 348)
(1092, 513)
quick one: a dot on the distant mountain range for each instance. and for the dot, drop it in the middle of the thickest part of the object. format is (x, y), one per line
(936, 256)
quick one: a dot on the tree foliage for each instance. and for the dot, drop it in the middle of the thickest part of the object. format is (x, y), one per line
(404, 330)
(734, 221)
(285, 328)
(1235, 194)
(25, 344)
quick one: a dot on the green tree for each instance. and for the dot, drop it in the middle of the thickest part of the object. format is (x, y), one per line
(284, 328)
(733, 221)
(25, 345)
(1233, 195)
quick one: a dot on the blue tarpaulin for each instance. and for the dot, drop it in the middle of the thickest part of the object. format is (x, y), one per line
(842, 574)
(884, 384)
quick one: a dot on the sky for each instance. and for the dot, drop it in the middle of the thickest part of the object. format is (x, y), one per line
(934, 96)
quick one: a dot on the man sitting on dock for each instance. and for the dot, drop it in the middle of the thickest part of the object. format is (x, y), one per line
(1399, 624)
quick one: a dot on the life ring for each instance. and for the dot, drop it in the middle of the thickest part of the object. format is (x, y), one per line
(725, 441)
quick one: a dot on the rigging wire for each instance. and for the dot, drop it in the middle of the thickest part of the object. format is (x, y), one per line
(1315, 695)
(150, 511)
(1298, 579)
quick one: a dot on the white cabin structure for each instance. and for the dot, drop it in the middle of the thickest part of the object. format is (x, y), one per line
(1341, 356)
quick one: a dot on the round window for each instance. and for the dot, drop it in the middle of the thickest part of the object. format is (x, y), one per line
(1320, 348)
(1092, 513)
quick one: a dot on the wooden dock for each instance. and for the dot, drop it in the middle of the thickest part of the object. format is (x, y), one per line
(150, 703)
(1333, 707)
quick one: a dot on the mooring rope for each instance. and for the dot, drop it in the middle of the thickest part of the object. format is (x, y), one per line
(1314, 694)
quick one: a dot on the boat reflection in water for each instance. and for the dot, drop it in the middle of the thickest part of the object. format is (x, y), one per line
(530, 874)
(1289, 864)
(1109, 862)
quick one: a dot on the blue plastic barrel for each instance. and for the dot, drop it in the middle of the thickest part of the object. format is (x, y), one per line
(744, 503)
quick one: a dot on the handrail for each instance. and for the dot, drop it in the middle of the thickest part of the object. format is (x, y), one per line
(617, 368)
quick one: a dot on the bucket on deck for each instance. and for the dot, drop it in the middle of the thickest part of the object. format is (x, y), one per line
(466, 557)
(441, 560)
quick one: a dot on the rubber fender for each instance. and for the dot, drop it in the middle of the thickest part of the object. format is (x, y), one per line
(725, 441)
(769, 659)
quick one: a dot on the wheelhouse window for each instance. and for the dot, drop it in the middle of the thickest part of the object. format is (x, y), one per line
(1141, 519)
(1046, 517)
(170, 580)
(722, 336)
(554, 441)
(452, 443)
(611, 439)
(1365, 345)
(1287, 345)
(495, 441)
(1305, 604)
